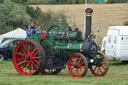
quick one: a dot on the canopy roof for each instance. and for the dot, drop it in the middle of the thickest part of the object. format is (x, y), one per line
(17, 33)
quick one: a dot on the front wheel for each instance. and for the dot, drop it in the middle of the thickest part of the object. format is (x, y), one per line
(100, 69)
(77, 65)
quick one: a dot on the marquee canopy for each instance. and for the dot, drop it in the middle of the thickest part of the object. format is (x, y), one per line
(18, 33)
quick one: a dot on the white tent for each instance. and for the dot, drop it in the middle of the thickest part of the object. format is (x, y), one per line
(18, 33)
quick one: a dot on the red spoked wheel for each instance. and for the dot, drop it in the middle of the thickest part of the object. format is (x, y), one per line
(100, 69)
(77, 65)
(28, 57)
(51, 71)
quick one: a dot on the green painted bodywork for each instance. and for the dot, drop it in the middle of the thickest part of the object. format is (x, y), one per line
(60, 46)
(72, 36)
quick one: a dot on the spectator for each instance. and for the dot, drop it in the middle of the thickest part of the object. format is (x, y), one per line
(34, 28)
(69, 29)
(29, 31)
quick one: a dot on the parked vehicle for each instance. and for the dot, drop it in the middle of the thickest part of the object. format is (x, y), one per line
(6, 48)
(115, 43)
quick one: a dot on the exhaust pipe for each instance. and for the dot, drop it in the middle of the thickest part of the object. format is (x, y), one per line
(88, 23)
(89, 47)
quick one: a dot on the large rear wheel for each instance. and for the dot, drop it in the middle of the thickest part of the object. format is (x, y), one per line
(77, 65)
(50, 71)
(100, 69)
(28, 58)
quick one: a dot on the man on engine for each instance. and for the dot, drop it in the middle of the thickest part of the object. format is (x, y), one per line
(34, 28)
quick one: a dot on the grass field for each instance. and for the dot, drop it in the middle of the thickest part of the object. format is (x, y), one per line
(117, 75)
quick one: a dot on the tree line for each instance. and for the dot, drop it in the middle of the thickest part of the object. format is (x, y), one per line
(18, 14)
(72, 1)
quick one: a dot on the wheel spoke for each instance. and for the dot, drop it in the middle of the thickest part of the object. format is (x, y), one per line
(26, 67)
(31, 47)
(82, 63)
(36, 53)
(103, 67)
(100, 70)
(105, 64)
(34, 64)
(74, 60)
(21, 63)
(29, 68)
(20, 54)
(79, 60)
(28, 48)
(33, 51)
(82, 67)
(21, 59)
(77, 71)
(32, 67)
(72, 68)
(95, 68)
(81, 70)
(73, 64)
(37, 61)
(36, 57)
(24, 48)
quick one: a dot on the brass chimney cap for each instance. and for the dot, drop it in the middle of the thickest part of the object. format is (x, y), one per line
(89, 10)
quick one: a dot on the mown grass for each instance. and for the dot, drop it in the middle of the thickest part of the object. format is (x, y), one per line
(117, 75)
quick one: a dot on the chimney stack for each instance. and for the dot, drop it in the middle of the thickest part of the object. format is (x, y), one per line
(88, 23)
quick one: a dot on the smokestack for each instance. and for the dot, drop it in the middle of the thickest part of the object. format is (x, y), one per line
(89, 12)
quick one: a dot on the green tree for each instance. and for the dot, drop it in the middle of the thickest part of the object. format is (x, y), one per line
(1, 1)
(50, 18)
(20, 1)
(17, 15)
(13, 16)
(34, 12)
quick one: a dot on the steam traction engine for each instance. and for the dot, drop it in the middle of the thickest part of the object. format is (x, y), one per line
(49, 53)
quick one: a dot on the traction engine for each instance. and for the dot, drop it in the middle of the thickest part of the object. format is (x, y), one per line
(52, 51)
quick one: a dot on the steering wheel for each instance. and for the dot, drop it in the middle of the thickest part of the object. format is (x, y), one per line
(57, 30)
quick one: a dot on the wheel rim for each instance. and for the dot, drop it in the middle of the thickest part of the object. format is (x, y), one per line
(1, 57)
(77, 65)
(50, 71)
(26, 58)
(100, 69)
